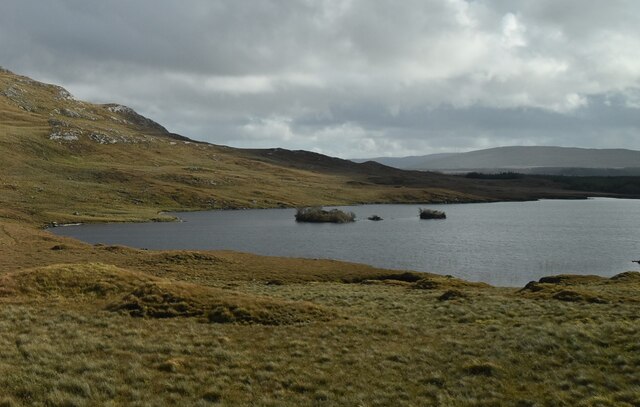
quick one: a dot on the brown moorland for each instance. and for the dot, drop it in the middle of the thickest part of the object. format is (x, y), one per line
(110, 325)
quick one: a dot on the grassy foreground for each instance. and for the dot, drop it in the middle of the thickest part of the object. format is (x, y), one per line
(84, 325)
(108, 325)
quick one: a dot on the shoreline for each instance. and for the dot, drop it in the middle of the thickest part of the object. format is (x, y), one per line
(89, 221)
(419, 268)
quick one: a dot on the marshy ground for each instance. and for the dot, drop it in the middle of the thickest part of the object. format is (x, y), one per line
(107, 325)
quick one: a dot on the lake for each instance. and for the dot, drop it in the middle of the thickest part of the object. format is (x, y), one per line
(505, 244)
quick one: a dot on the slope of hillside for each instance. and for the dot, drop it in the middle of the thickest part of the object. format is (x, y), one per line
(66, 160)
(409, 162)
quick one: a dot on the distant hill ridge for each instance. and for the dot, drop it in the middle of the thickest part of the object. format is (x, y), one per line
(520, 158)
(69, 161)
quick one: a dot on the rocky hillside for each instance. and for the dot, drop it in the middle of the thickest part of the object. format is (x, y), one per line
(67, 160)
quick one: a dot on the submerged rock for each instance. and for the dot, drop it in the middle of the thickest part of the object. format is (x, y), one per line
(431, 214)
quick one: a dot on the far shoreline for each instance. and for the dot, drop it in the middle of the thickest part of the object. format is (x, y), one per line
(400, 268)
(89, 221)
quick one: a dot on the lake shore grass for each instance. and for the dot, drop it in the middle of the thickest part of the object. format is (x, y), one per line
(240, 329)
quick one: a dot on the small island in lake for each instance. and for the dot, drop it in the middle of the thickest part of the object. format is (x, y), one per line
(432, 214)
(319, 215)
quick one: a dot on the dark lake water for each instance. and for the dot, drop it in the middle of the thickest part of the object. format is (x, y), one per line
(505, 244)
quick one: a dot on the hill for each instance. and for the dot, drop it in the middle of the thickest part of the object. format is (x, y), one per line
(69, 160)
(546, 160)
(110, 325)
(66, 160)
(411, 162)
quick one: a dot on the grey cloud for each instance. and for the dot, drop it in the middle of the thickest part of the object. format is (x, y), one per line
(346, 77)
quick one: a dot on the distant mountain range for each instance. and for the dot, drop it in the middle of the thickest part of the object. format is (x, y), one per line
(532, 160)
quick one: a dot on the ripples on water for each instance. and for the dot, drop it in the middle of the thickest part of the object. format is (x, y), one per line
(504, 244)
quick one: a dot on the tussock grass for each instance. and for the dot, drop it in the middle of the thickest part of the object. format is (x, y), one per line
(623, 287)
(398, 346)
(407, 276)
(452, 295)
(312, 337)
(434, 282)
(184, 258)
(74, 281)
(140, 295)
(170, 300)
(487, 369)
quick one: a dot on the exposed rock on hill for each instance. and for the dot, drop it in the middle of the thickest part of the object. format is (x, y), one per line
(132, 117)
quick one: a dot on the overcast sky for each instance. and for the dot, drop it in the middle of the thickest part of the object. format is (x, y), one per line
(349, 78)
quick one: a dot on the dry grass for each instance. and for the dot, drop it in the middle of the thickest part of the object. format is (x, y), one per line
(230, 328)
(393, 345)
(99, 286)
(591, 289)
(84, 325)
